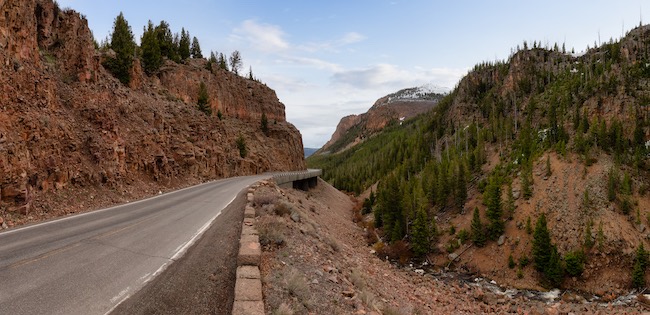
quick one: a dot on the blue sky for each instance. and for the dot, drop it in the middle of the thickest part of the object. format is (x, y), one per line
(329, 59)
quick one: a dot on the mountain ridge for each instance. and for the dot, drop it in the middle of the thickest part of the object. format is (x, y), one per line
(392, 108)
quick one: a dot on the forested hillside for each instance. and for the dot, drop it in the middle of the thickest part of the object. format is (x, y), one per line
(542, 158)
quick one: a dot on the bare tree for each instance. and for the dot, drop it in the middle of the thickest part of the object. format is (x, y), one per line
(235, 61)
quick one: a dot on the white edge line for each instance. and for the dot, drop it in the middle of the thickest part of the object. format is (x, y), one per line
(179, 253)
(118, 206)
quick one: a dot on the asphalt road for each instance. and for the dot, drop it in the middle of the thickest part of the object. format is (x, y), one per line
(89, 263)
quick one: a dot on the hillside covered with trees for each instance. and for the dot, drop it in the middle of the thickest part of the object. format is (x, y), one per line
(533, 171)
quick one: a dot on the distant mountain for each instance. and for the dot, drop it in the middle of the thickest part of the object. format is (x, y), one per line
(427, 92)
(392, 108)
(310, 151)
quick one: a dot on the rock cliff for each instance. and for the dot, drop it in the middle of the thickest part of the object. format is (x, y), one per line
(67, 126)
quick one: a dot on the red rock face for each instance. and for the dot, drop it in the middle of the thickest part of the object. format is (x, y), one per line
(67, 124)
(380, 115)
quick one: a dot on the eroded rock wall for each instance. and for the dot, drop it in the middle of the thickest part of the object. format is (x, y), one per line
(66, 124)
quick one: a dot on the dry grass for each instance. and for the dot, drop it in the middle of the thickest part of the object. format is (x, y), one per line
(283, 309)
(271, 232)
(389, 310)
(369, 299)
(357, 279)
(332, 243)
(265, 199)
(297, 285)
(283, 208)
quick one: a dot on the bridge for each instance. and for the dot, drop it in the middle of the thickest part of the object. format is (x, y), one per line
(303, 180)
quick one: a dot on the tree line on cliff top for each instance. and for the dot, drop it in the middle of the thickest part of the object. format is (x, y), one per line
(157, 43)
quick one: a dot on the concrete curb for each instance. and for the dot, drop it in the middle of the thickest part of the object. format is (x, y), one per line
(249, 299)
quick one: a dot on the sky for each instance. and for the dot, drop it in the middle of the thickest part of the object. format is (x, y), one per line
(330, 59)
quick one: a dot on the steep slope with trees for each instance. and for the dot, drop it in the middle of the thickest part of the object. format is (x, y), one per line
(84, 125)
(547, 137)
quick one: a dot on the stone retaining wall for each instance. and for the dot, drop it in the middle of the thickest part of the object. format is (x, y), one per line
(248, 286)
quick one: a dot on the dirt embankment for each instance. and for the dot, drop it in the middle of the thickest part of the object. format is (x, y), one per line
(315, 260)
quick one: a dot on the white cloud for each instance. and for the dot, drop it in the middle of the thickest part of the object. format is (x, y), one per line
(333, 45)
(391, 76)
(310, 62)
(261, 36)
(351, 38)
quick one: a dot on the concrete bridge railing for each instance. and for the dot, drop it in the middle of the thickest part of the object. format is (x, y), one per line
(298, 179)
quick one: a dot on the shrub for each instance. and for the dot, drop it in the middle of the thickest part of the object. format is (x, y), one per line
(265, 199)
(241, 146)
(371, 236)
(511, 262)
(626, 205)
(520, 274)
(271, 232)
(283, 208)
(574, 263)
(523, 261)
(463, 235)
(399, 250)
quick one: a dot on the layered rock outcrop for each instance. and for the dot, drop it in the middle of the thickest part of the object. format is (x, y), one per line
(66, 124)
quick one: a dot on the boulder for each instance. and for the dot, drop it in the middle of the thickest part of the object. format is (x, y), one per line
(502, 240)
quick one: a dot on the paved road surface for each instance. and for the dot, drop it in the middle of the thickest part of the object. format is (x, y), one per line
(89, 263)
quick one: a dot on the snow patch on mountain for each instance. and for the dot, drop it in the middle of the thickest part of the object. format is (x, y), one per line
(421, 93)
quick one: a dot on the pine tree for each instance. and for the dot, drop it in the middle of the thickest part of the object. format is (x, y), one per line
(264, 124)
(461, 187)
(548, 166)
(195, 50)
(510, 203)
(494, 209)
(212, 61)
(638, 276)
(641, 256)
(526, 185)
(640, 265)
(124, 46)
(184, 45)
(541, 244)
(600, 236)
(554, 273)
(420, 239)
(166, 42)
(589, 242)
(626, 187)
(390, 206)
(574, 262)
(241, 146)
(511, 262)
(612, 183)
(150, 47)
(478, 234)
(235, 61)
(203, 100)
(223, 64)
(250, 73)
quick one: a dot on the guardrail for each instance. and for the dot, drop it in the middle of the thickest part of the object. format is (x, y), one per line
(299, 179)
